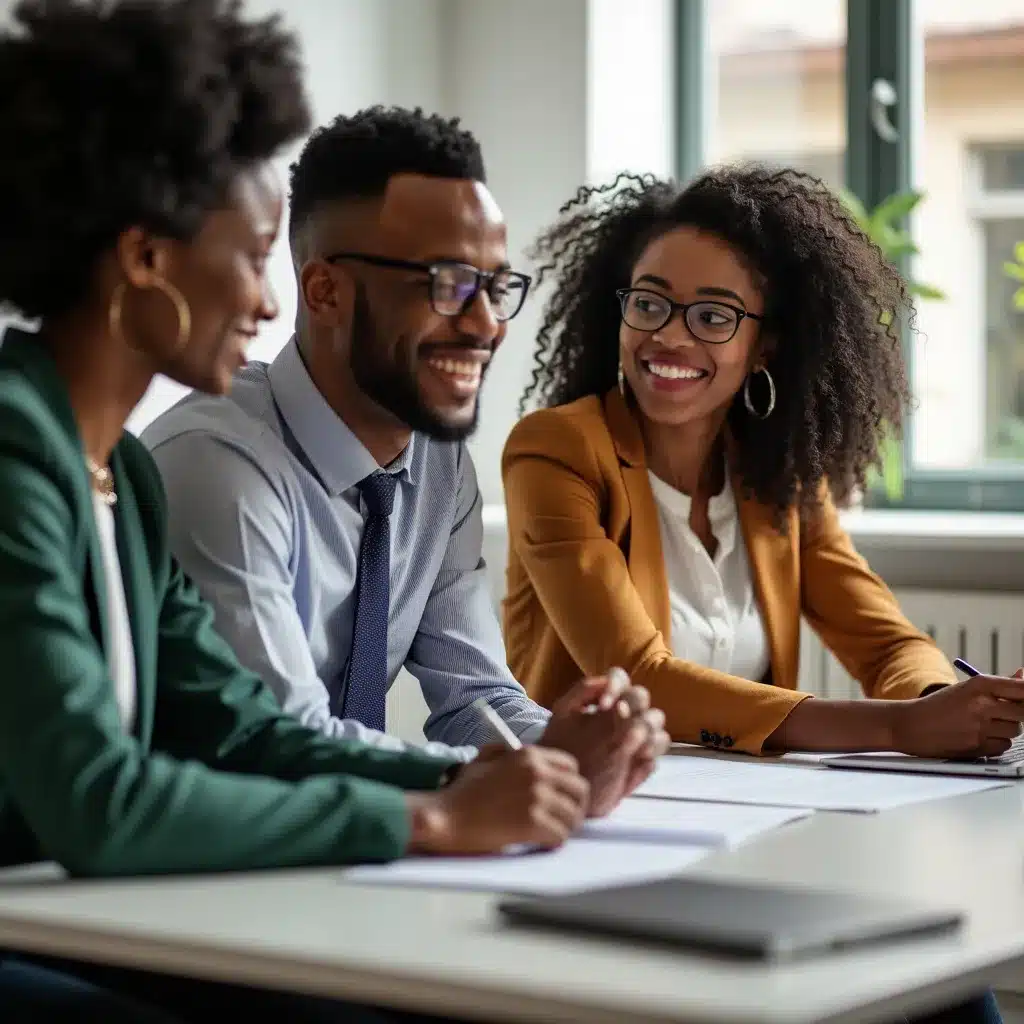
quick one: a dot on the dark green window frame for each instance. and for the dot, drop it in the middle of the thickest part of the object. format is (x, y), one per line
(882, 45)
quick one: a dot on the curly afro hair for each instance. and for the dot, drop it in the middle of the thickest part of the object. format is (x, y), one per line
(834, 309)
(355, 156)
(116, 113)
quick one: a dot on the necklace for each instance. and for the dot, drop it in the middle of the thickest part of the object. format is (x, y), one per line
(102, 481)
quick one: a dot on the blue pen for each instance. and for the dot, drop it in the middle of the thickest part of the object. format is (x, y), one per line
(966, 667)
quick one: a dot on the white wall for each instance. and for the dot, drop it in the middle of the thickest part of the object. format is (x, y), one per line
(518, 78)
(630, 88)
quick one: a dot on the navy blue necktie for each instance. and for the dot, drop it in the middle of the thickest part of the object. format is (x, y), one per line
(367, 678)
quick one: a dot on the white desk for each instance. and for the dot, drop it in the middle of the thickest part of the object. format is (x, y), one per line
(445, 952)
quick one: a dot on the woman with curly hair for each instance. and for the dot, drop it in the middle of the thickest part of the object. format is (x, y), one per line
(718, 364)
(138, 207)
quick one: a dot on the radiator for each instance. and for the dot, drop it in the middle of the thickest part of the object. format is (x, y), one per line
(985, 629)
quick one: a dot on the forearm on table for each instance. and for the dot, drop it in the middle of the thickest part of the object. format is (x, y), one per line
(834, 726)
(351, 730)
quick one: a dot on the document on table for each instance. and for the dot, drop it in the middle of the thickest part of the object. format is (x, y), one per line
(679, 821)
(780, 785)
(579, 864)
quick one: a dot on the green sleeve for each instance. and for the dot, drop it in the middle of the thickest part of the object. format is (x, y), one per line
(96, 800)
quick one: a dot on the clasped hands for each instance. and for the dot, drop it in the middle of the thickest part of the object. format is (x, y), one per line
(602, 741)
(610, 728)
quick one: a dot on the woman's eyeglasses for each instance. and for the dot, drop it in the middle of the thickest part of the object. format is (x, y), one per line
(454, 286)
(712, 322)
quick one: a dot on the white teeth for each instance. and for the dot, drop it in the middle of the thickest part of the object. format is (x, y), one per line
(457, 367)
(675, 372)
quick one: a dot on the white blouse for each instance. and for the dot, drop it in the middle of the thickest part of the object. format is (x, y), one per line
(121, 653)
(716, 622)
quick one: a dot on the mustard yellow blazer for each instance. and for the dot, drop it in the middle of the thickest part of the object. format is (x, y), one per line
(587, 587)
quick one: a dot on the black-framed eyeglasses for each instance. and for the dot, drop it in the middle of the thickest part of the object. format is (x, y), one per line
(707, 320)
(454, 286)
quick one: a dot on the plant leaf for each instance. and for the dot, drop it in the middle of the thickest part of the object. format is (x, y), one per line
(891, 457)
(927, 291)
(896, 207)
(1014, 270)
(904, 247)
(853, 205)
(1018, 252)
(1018, 300)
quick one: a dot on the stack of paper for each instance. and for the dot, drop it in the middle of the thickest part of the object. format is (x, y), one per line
(799, 785)
(579, 864)
(677, 821)
(640, 841)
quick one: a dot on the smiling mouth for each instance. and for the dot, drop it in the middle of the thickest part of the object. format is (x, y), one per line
(462, 376)
(672, 371)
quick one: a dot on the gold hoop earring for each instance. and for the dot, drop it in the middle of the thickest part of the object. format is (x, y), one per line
(622, 379)
(181, 311)
(771, 395)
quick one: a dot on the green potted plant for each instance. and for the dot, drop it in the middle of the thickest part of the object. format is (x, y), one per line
(884, 225)
(1014, 270)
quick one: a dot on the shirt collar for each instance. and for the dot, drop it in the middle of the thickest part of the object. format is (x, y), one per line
(338, 456)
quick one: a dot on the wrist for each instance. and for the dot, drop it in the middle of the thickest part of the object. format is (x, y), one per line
(892, 715)
(428, 823)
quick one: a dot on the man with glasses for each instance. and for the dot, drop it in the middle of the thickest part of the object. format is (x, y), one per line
(329, 509)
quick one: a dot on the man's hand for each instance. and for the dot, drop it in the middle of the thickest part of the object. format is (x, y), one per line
(504, 797)
(976, 718)
(611, 730)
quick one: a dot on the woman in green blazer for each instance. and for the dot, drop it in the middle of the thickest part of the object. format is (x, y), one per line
(138, 208)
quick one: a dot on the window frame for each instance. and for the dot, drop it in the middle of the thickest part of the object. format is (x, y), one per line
(985, 206)
(884, 40)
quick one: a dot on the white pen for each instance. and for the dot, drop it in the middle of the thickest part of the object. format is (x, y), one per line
(507, 736)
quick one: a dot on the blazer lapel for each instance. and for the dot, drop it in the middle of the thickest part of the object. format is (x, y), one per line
(25, 350)
(133, 555)
(775, 569)
(645, 556)
(96, 574)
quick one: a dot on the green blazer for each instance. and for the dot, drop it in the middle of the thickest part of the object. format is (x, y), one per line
(214, 776)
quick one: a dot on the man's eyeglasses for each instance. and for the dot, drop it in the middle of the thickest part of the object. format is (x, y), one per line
(454, 286)
(713, 322)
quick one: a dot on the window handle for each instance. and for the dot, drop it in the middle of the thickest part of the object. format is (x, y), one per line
(883, 99)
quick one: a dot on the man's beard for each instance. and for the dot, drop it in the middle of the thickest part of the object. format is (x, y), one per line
(393, 388)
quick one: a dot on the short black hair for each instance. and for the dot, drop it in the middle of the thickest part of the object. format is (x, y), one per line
(834, 306)
(355, 156)
(115, 113)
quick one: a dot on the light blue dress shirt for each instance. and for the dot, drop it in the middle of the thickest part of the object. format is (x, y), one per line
(266, 519)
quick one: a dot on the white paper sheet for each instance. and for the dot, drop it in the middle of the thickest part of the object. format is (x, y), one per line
(780, 785)
(579, 864)
(678, 821)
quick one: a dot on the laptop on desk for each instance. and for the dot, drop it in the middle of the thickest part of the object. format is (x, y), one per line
(1006, 766)
(759, 922)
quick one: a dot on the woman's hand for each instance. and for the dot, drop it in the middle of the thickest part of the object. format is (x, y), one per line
(977, 718)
